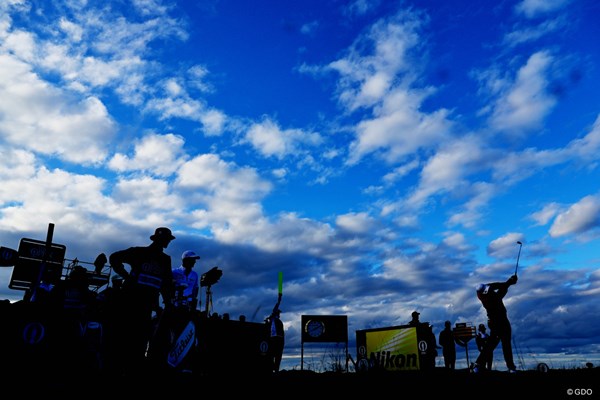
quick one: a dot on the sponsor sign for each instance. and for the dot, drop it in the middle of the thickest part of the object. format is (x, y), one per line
(390, 348)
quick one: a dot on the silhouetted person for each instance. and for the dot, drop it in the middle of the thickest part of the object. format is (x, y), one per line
(79, 338)
(149, 278)
(99, 263)
(491, 295)
(277, 335)
(414, 319)
(425, 333)
(447, 341)
(74, 296)
(110, 309)
(186, 281)
(481, 339)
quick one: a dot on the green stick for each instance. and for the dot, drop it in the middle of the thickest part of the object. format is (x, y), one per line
(280, 282)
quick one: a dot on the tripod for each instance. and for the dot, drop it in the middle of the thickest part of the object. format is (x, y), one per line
(209, 305)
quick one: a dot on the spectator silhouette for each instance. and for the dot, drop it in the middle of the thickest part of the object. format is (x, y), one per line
(186, 281)
(109, 304)
(79, 340)
(187, 287)
(73, 295)
(491, 295)
(425, 332)
(414, 319)
(150, 277)
(277, 335)
(480, 340)
(448, 343)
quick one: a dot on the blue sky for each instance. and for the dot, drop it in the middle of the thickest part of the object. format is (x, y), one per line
(386, 156)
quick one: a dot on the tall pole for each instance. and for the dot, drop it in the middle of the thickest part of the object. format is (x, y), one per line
(31, 294)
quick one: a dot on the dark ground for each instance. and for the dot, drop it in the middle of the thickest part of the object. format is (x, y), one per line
(553, 384)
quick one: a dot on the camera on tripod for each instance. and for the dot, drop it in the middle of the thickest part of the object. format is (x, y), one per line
(211, 277)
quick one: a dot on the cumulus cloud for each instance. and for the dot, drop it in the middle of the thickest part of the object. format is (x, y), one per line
(525, 102)
(154, 153)
(580, 217)
(272, 141)
(48, 120)
(506, 246)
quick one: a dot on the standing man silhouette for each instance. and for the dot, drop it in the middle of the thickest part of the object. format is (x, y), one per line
(186, 281)
(277, 335)
(446, 340)
(491, 295)
(425, 332)
(150, 277)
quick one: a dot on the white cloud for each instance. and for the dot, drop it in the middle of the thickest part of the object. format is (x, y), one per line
(399, 129)
(355, 222)
(401, 171)
(535, 8)
(546, 214)
(270, 140)
(506, 246)
(155, 153)
(524, 104)
(588, 147)
(456, 240)
(58, 196)
(529, 34)
(382, 82)
(223, 180)
(581, 217)
(145, 201)
(48, 120)
(179, 104)
(366, 79)
(449, 169)
(73, 30)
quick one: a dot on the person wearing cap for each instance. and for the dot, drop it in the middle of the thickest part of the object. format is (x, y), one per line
(425, 332)
(490, 295)
(186, 281)
(414, 319)
(149, 278)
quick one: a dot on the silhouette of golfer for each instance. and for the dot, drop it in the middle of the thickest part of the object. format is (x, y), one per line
(491, 295)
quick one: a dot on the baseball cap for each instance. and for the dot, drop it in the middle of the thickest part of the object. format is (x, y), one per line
(162, 233)
(415, 314)
(189, 254)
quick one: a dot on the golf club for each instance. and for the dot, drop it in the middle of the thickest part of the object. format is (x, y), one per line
(518, 255)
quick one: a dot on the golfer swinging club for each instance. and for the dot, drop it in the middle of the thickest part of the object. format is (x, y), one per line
(491, 295)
